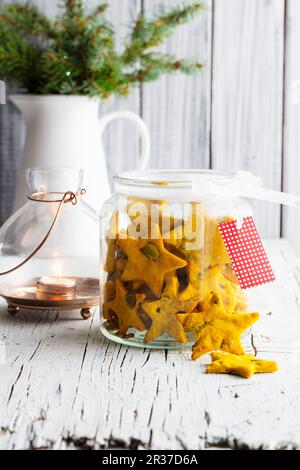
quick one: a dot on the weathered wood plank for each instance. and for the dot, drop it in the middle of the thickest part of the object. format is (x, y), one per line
(248, 51)
(291, 220)
(121, 139)
(65, 386)
(177, 108)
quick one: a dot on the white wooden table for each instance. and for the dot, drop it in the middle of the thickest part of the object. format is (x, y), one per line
(65, 386)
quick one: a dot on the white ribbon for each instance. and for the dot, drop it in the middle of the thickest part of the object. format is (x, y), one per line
(244, 184)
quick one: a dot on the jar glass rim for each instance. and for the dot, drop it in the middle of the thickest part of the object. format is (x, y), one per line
(172, 178)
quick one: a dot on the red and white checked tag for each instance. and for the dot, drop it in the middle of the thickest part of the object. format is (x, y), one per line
(247, 254)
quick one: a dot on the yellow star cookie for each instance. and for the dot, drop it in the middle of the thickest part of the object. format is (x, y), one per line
(241, 298)
(109, 293)
(188, 236)
(126, 307)
(199, 238)
(198, 285)
(220, 285)
(214, 244)
(163, 313)
(190, 320)
(144, 214)
(149, 261)
(205, 283)
(175, 237)
(111, 242)
(230, 275)
(171, 292)
(217, 330)
(245, 366)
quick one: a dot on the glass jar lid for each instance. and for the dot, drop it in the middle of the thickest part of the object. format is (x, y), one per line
(172, 184)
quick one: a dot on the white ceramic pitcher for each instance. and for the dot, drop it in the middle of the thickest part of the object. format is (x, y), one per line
(65, 131)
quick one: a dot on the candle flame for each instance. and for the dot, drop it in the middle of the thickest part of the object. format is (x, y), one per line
(57, 268)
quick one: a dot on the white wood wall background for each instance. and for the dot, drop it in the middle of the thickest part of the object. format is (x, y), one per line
(241, 112)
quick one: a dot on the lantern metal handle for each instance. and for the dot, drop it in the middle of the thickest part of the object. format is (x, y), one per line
(67, 197)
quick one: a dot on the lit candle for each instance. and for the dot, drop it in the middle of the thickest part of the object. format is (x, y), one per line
(57, 286)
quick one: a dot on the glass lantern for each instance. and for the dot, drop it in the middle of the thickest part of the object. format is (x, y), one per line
(162, 255)
(49, 247)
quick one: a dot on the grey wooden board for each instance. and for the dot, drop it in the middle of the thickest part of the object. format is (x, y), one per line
(248, 93)
(291, 219)
(64, 386)
(228, 117)
(121, 139)
(177, 107)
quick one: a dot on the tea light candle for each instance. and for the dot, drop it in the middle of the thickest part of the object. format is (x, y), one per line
(56, 286)
(62, 287)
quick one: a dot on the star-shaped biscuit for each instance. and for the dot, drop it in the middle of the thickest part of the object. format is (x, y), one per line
(188, 235)
(126, 307)
(205, 283)
(163, 313)
(218, 284)
(244, 366)
(241, 298)
(216, 330)
(214, 242)
(200, 238)
(149, 261)
(111, 237)
(196, 287)
(145, 213)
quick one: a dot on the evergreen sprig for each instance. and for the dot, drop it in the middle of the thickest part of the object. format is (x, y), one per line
(76, 52)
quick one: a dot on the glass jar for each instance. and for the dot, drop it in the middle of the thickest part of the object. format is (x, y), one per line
(51, 243)
(163, 257)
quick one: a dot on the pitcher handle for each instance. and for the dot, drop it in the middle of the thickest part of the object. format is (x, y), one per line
(142, 128)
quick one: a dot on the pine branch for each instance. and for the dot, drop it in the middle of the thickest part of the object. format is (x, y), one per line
(97, 12)
(18, 59)
(156, 64)
(74, 10)
(148, 34)
(76, 53)
(26, 19)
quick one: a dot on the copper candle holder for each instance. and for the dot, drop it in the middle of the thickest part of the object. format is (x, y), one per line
(65, 244)
(34, 296)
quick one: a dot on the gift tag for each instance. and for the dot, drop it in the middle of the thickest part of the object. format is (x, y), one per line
(247, 254)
